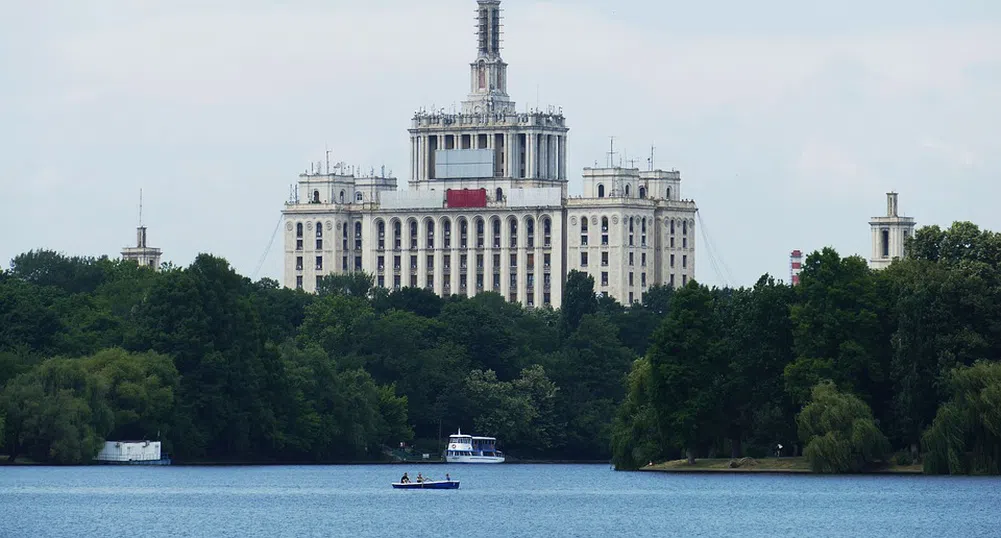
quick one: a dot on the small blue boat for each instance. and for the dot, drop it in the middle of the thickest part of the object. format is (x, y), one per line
(428, 484)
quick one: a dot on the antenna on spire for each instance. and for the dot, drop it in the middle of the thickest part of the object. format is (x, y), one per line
(650, 160)
(611, 151)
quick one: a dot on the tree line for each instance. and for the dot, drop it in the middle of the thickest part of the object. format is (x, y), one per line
(850, 368)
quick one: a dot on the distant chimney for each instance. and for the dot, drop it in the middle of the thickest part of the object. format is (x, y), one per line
(891, 204)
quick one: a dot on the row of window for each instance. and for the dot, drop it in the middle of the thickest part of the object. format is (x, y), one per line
(315, 199)
(627, 191)
(463, 289)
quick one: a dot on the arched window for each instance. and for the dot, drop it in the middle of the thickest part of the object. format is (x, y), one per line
(630, 225)
(500, 194)
(381, 228)
(627, 191)
(497, 233)
(298, 229)
(583, 225)
(316, 197)
(684, 227)
(514, 233)
(319, 229)
(669, 193)
(397, 232)
(358, 197)
(644, 225)
(357, 236)
(530, 232)
(413, 235)
(642, 192)
(601, 191)
(446, 227)
(547, 231)
(604, 224)
(430, 233)
(342, 197)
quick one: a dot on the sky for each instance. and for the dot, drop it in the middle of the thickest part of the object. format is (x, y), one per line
(788, 120)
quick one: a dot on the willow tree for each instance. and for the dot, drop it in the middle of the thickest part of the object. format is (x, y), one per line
(965, 437)
(839, 431)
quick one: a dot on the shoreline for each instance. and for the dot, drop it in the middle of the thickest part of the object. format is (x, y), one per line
(787, 466)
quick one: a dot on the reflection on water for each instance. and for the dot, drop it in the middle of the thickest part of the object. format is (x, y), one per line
(494, 501)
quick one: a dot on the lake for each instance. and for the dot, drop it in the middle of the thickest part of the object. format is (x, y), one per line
(494, 501)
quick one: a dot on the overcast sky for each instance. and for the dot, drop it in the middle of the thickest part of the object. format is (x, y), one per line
(788, 120)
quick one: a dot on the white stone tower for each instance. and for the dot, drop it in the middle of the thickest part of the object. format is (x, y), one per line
(488, 144)
(890, 235)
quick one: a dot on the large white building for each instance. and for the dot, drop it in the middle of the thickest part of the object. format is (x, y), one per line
(890, 235)
(487, 208)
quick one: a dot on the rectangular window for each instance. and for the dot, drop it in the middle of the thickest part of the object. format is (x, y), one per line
(514, 260)
(530, 261)
(430, 282)
(546, 258)
(357, 263)
(381, 263)
(496, 262)
(447, 258)
(430, 264)
(496, 282)
(672, 261)
(396, 263)
(382, 281)
(643, 279)
(604, 278)
(684, 280)
(672, 280)
(672, 242)
(630, 239)
(684, 242)
(630, 280)
(583, 259)
(298, 244)
(604, 239)
(413, 263)
(684, 261)
(604, 259)
(546, 299)
(344, 264)
(479, 282)
(643, 240)
(319, 244)
(413, 281)
(885, 243)
(298, 263)
(479, 261)
(643, 259)
(396, 282)
(630, 259)
(631, 298)
(298, 282)
(319, 263)
(463, 261)
(583, 240)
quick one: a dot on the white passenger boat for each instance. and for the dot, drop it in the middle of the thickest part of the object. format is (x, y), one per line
(471, 449)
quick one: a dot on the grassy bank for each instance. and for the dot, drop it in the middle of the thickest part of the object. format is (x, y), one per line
(763, 465)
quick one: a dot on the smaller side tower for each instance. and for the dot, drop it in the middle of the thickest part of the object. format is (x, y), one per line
(890, 235)
(144, 255)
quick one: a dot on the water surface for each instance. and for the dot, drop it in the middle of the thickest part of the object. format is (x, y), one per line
(494, 501)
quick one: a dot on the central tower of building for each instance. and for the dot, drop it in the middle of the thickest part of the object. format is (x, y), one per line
(488, 144)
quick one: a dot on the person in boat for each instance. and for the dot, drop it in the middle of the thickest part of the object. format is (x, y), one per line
(419, 478)
(448, 478)
(405, 479)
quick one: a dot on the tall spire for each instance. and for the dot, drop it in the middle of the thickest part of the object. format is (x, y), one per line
(488, 73)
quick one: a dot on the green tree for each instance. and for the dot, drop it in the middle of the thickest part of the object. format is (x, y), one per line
(686, 372)
(636, 436)
(355, 284)
(965, 437)
(839, 431)
(578, 300)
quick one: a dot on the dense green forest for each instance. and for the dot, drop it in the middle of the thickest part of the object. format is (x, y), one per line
(850, 368)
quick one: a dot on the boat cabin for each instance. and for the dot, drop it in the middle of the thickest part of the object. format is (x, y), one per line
(468, 445)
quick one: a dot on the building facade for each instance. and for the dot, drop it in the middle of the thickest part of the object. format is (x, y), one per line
(890, 235)
(487, 208)
(144, 255)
